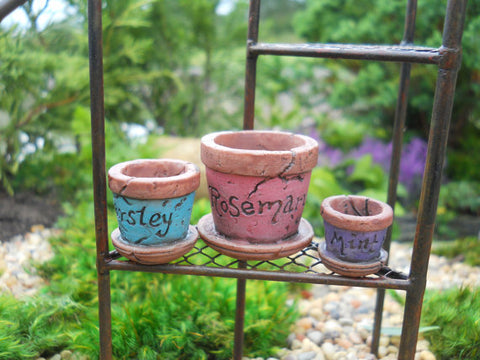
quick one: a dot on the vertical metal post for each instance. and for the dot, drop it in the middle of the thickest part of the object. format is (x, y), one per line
(397, 141)
(439, 127)
(251, 66)
(248, 124)
(240, 315)
(99, 177)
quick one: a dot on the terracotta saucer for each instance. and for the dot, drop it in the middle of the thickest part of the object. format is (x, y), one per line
(351, 269)
(155, 254)
(244, 250)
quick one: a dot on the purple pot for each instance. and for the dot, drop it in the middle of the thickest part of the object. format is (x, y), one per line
(355, 227)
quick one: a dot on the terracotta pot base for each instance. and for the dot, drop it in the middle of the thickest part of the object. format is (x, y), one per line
(351, 269)
(155, 254)
(244, 250)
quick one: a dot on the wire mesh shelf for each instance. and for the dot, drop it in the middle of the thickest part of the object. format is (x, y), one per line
(303, 266)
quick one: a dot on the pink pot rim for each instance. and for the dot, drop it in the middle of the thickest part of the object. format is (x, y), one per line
(154, 178)
(259, 153)
(332, 211)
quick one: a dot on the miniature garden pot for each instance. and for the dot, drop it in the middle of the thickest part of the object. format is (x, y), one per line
(258, 183)
(355, 229)
(153, 201)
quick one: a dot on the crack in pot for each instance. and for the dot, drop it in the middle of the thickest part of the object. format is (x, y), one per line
(283, 178)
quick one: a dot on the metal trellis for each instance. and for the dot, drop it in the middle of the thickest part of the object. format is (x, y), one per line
(304, 267)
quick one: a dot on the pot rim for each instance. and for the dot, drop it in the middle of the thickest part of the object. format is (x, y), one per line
(184, 180)
(331, 214)
(289, 153)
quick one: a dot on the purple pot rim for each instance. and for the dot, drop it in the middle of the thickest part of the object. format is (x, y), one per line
(376, 222)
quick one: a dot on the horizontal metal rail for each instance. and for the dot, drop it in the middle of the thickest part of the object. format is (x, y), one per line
(200, 270)
(395, 53)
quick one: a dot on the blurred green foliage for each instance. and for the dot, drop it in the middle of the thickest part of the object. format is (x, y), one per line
(154, 70)
(461, 197)
(467, 249)
(367, 91)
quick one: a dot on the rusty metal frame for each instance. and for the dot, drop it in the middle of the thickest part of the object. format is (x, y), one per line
(447, 58)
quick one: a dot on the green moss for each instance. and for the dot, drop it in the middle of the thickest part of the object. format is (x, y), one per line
(457, 313)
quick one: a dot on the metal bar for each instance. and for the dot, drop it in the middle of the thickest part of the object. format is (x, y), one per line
(240, 315)
(397, 141)
(399, 53)
(105, 316)
(199, 270)
(98, 171)
(251, 66)
(8, 6)
(248, 124)
(440, 122)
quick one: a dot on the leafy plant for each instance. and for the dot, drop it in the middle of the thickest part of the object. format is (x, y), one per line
(35, 90)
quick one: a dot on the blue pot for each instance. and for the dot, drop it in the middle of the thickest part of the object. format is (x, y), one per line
(153, 199)
(152, 222)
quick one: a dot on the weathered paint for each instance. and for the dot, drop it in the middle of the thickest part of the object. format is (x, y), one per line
(255, 208)
(148, 222)
(353, 246)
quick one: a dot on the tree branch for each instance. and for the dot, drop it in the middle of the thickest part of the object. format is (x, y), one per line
(43, 107)
(7, 6)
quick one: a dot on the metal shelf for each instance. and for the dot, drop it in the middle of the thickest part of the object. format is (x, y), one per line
(303, 267)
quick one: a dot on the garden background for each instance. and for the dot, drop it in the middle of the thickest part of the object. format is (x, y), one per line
(175, 69)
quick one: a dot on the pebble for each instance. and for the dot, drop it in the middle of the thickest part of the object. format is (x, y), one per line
(427, 355)
(382, 351)
(66, 355)
(316, 337)
(305, 323)
(310, 355)
(329, 350)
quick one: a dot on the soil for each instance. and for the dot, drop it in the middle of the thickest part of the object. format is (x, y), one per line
(20, 212)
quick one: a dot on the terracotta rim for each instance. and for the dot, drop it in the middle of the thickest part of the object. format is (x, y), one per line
(154, 178)
(356, 213)
(259, 153)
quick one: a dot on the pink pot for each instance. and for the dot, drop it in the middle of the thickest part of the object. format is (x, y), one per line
(258, 182)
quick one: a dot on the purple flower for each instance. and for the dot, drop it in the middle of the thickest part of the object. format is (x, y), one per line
(412, 162)
(327, 155)
(380, 152)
